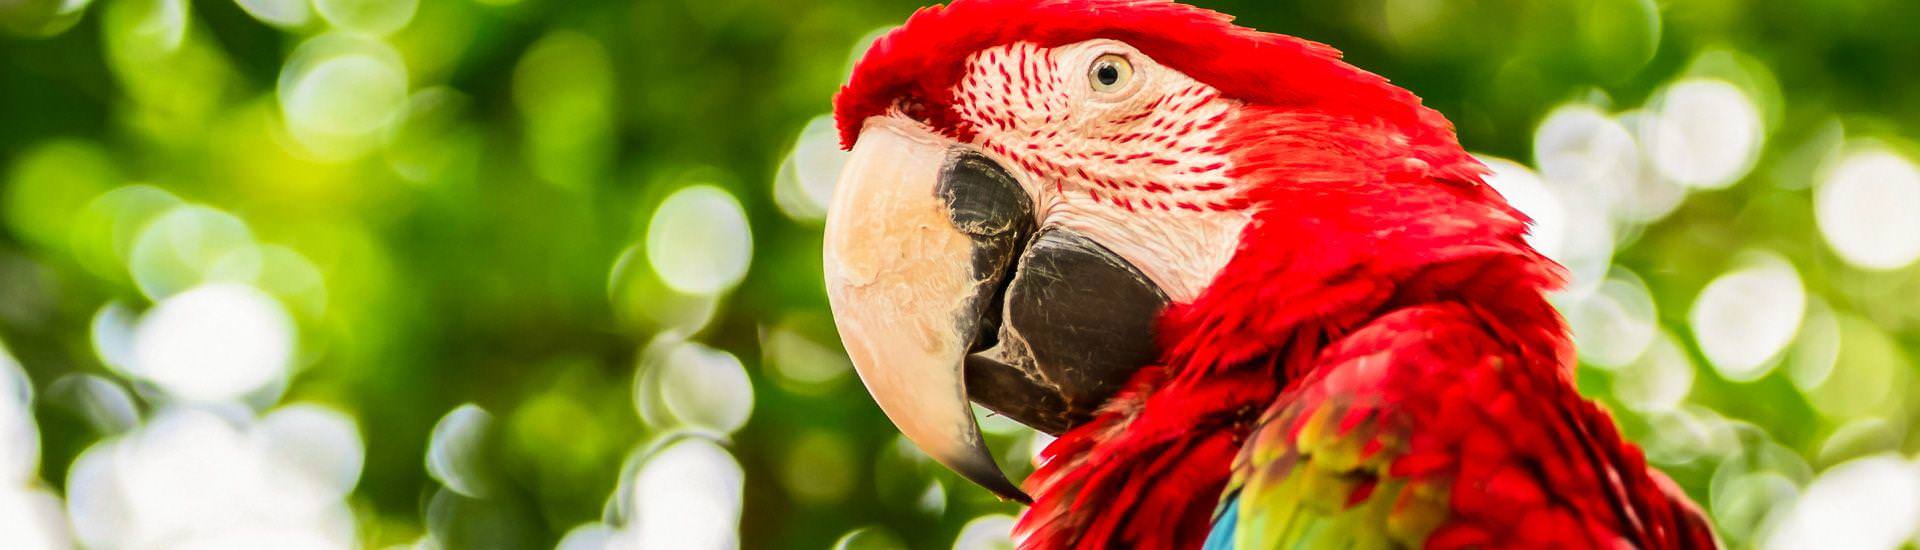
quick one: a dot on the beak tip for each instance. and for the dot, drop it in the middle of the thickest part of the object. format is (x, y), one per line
(982, 471)
(1002, 488)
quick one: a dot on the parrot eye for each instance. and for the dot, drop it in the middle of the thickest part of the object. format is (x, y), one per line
(1109, 72)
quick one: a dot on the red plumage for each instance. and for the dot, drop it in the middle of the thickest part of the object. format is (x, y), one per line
(923, 58)
(1378, 274)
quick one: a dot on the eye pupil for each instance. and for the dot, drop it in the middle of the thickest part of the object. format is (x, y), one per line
(1109, 73)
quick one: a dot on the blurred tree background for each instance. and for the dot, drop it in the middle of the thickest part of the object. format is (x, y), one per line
(519, 273)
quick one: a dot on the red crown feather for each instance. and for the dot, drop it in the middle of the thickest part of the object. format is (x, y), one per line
(923, 58)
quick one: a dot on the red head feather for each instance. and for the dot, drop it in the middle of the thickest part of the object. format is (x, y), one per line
(923, 58)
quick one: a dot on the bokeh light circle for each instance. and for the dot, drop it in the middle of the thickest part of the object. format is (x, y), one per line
(800, 364)
(339, 93)
(1743, 503)
(805, 182)
(698, 240)
(106, 406)
(1868, 208)
(104, 236)
(32, 519)
(1869, 376)
(1644, 196)
(1745, 317)
(214, 343)
(1659, 379)
(1615, 324)
(1581, 146)
(319, 443)
(1703, 132)
(988, 532)
(456, 451)
(198, 478)
(1817, 348)
(49, 185)
(112, 334)
(1872, 502)
(639, 297)
(190, 245)
(688, 495)
(19, 436)
(687, 384)
(933, 501)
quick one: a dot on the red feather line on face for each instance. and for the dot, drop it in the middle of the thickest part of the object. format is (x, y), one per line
(1186, 171)
(920, 62)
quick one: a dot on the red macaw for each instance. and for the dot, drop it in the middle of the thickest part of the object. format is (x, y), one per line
(1264, 297)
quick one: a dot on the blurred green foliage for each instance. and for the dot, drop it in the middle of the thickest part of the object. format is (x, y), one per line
(456, 204)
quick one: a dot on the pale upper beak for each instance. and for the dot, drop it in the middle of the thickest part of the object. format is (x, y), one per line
(931, 255)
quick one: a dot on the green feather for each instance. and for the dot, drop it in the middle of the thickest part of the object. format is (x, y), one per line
(1298, 485)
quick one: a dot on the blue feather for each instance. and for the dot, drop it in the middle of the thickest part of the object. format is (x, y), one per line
(1221, 537)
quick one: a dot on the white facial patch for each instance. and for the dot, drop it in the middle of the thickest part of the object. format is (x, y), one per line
(1134, 165)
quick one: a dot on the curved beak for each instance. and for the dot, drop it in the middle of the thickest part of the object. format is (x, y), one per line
(944, 291)
(919, 239)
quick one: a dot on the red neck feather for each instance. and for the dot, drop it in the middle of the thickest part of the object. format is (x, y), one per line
(1354, 219)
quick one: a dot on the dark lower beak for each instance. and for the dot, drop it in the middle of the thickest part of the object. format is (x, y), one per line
(1077, 321)
(932, 255)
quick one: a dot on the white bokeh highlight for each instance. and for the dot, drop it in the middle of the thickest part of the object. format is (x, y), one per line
(1745, 317)
(31, 517)
(1868, 208)
(1658, 380)
(1703, 133)
(804, 185)
(339, 92)
(1583, 151)
(197, 478)
(687, 496)
(1614, 325)
(691, 385)
(19, 436)
(1871, 502)
(190, 245)
(698, 240)
(988, 532)
(322, 443)
(216, 342)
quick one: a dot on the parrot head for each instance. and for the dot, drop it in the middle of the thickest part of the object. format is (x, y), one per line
(1044, 197)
